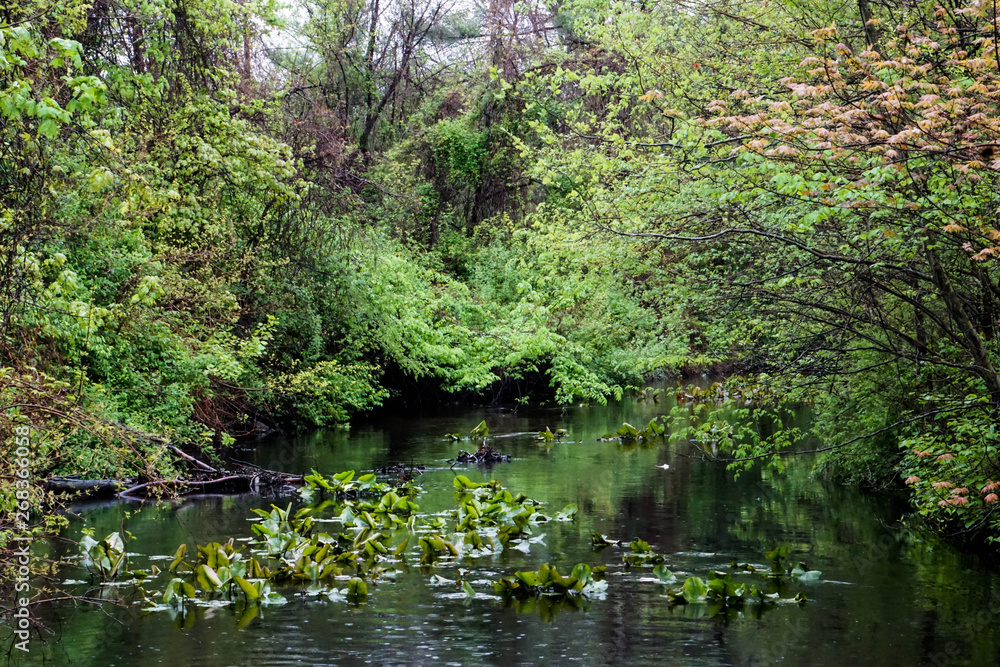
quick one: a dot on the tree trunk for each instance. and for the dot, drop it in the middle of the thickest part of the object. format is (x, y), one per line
(983, 366)
(871, 37)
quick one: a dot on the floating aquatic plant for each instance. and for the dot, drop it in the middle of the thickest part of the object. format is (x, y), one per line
(547, 581)
(628, 434)
(378, 521)
(642, 554)
(106, 558)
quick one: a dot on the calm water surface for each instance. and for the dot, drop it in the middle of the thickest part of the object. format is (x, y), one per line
(887, 595)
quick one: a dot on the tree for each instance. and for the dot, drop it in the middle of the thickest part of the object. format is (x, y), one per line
(45, 94)
(830, 223)
(368, 60)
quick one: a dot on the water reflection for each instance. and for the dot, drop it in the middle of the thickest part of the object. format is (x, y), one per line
(887, 595)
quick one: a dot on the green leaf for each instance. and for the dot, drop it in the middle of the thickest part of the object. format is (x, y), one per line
(211, 575)
(247, 588)
(529, 579)
(481, 430)
(694, 589)
(357, 589)
(663, 574)
(48, 128)
(178, 557)
(581, 572)
(567, 513)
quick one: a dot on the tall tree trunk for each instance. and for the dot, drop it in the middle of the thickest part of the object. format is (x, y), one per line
(370, 81)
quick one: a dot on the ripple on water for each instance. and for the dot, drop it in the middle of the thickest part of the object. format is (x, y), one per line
(901, 606)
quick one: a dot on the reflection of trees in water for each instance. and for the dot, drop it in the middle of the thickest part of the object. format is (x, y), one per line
(902, 598)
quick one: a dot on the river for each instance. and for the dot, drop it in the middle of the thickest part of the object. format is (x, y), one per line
(888, 594)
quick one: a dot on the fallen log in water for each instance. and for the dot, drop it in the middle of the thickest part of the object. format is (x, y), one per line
(256, 480)
(231, 482)
(94, 487)
(203, 477)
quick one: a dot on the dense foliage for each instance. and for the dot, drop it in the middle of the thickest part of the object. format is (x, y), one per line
(206, 235)
(820, 191)
(218, 217)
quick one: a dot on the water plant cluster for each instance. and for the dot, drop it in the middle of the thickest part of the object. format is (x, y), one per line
(583, 581)
(630, 435)
(378, 522)
(288, 549)
(380, 531)
(767, 586)
(548, 435)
